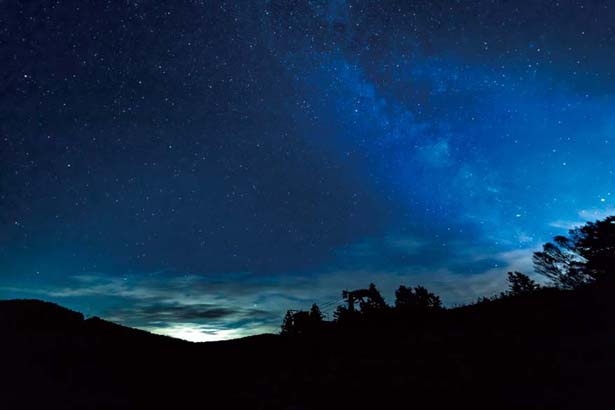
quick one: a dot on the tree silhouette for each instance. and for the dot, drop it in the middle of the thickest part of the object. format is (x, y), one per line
(288, 323)
(316, 315)
(559, 263)
(373, 302)
(370, 302)
(300, 321)
(343, 314)
(417, 299)
(586, 255)
(520, 284)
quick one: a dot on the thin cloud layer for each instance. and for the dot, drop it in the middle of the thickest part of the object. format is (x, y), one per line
(212, 307)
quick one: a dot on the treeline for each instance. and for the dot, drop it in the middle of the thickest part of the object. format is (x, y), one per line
(585, 256)
(368, 305)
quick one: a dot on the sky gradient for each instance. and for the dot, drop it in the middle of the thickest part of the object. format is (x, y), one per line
(196, 168)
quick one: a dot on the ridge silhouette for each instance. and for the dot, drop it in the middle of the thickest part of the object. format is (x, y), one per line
(550, 348)
(531, 347)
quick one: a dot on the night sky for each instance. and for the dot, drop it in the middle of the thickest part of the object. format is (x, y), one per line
(197, 168)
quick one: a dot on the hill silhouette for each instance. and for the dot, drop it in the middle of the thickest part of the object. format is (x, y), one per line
(550, 348)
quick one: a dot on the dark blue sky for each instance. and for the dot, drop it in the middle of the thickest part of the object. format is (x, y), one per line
(197, 168)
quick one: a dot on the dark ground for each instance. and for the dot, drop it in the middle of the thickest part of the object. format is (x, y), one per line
(548, 350)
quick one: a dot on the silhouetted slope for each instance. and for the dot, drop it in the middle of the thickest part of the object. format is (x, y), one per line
(550, 349)
(36, 315)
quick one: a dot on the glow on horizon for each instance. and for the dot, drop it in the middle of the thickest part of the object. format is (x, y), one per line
(193, 332)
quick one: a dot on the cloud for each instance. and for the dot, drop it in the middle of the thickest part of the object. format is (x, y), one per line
(436, 154)
(459, 272)
(178, 312)
(585, 215)
(596, 213)
(565, 224)
(214, 307)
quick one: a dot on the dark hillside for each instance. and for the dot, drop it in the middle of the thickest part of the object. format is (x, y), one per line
(549, 349)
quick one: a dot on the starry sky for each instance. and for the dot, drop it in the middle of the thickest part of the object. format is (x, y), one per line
(195, 168)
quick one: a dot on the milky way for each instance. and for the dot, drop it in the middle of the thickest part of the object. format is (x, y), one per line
(197, 168)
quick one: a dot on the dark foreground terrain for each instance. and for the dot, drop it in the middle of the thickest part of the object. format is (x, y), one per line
(548, 350)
